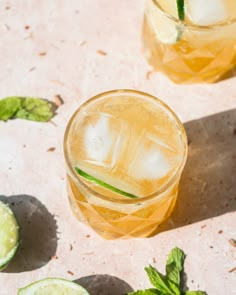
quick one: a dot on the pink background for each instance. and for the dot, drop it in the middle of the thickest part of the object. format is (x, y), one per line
(71, 33)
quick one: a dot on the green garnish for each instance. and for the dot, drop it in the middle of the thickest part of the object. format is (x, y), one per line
(28, 108)
(174, 265)
(180, 9)
(170, 284)
(9, 235)
(106, 185)
(147, 292)
(194, 293)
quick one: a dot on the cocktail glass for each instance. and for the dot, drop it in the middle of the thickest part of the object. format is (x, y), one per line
(187, 52)
(125, 151)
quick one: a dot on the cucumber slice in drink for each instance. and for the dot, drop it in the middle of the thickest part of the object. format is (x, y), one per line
(53, 286)
(165, 29)
(9, 235)
(180, 9)
(104, 184)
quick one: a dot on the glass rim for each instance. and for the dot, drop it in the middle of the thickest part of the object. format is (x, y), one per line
(127, 200)
(193, 26)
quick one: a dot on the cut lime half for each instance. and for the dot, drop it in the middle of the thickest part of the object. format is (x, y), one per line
(53, 286)
(9, 235)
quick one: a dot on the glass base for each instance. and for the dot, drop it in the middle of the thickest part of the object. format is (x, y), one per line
(112, 224)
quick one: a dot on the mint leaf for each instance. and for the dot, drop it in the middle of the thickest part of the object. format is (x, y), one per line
(174, 265)
(161, 282)
(171, 283)
(35, 109)
(195, 293)
(8, 107)
(28, 108)
(146, 292)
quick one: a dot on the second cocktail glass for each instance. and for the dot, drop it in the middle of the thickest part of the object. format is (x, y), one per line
(200, 48)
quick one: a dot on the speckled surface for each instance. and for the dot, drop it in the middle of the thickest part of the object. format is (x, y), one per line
(54, 47)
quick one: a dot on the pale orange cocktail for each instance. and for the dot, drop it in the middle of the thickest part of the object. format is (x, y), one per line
(125, 151)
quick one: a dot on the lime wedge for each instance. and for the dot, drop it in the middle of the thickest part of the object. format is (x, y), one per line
(53, 286)
(106, 185)
(164, 28)
(9, 235)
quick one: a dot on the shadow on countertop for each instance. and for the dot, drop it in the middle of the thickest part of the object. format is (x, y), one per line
(102, 284)
(38, 231)
(208, 184)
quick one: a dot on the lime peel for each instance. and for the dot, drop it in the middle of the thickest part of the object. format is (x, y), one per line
(104, 184)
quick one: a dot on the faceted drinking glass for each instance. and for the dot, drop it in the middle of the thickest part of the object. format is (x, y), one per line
(188, 53)
(135, 148)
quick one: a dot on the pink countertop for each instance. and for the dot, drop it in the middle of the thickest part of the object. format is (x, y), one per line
(54, 47)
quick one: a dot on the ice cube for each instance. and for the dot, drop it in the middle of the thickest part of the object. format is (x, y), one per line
(150, 160)
(97, 140)
(100, 141)
(153, 165)
(206, 12)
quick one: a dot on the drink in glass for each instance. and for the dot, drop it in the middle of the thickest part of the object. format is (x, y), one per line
(125, 151)
(192, 43)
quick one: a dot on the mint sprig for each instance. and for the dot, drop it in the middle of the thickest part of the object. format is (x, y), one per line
(161, 282)
(169, 284)
(174, 265)
(195, 293)
(28, 108)
(147, 292)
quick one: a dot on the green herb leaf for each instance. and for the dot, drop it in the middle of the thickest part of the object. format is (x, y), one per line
(174, 265)
(195, 293)
(35, 109)
(8, 107)
(161, 282)
(28, 108)
(146, 292)
(106, 185)
(180, 9)
(171, 283)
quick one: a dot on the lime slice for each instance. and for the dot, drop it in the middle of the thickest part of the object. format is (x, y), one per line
(9, 235)
(53, 286)
(104, 184)
(165, 29)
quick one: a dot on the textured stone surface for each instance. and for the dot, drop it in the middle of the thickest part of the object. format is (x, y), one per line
(62, 52)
